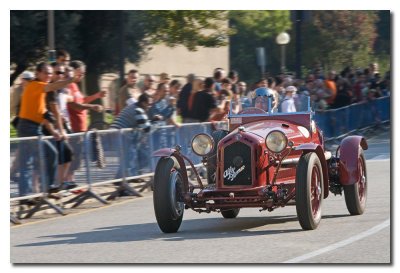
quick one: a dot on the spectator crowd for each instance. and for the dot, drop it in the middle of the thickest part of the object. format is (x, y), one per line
(50, 102)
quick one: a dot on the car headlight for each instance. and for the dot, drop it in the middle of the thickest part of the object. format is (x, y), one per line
(202, 144)
(276, 141)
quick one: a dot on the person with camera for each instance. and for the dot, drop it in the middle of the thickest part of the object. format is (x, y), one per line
(163, 106)
(31, 116)
(135, 116)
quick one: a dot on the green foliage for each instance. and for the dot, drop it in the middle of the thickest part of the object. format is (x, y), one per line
(256, 29)
(336, 38)
(13, 131)
(99, 39)
(27, 39)
(93, 36)
(340, 38)
(190, 28)
(261, 23)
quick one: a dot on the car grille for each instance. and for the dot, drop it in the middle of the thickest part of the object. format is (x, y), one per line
(237, 164)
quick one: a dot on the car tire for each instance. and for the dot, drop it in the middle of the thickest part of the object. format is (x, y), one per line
(309, 191)
(212, 157)
(230, 213)
(356, 195)
(168, 195)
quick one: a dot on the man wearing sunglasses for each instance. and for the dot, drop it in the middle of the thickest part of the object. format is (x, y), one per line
(63, 57)
(64, 149)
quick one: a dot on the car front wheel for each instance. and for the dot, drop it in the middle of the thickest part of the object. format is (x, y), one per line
(168, 195)
(309, 191)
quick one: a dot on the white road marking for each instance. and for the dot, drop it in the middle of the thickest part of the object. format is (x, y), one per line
(343, 243)
(378, 160)
(380, 157)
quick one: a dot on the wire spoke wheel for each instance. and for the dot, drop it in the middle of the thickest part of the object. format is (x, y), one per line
(309, 191)
(168, 195)
(356, 194)
(316, 191)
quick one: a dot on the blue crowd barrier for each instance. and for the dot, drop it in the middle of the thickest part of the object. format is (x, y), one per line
(337, 122)
(127, 152)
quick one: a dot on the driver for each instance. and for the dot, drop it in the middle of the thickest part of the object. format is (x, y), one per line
(260, 98)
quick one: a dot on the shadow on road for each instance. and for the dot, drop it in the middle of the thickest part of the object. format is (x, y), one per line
(190, 230)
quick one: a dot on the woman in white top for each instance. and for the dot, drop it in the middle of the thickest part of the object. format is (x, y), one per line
(288, 105)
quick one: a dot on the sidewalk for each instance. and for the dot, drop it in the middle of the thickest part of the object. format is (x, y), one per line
(19, 211)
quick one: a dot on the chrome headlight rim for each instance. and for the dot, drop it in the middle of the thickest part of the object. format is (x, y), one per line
(284, 139)
(209, 138)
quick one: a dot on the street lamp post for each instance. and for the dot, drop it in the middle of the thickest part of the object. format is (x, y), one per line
(283, 39)
(50, 35)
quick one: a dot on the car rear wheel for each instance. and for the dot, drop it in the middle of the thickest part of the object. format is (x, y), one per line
(212, 157)
(309, 191)
(356, 194)
(168, 195)
(230, 213)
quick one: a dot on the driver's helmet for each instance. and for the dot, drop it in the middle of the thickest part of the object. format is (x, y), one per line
(260, 98)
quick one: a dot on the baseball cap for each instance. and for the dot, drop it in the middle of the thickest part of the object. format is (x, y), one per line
(27, 75)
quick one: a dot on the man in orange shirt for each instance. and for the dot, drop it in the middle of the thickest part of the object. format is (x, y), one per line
(31, 116)
(330, 87)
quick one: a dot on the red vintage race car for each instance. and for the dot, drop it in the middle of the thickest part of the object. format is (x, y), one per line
(267, 160)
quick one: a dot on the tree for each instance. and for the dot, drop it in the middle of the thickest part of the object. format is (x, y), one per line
(255, 29)
(28, 37)
(191, 28)
(92, 36)
(27, 40)
(340, 38)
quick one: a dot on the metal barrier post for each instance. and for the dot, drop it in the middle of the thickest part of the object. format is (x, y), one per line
(123, 188)
(14, 220)
(151, 151)
(43, 199)
(88, 193)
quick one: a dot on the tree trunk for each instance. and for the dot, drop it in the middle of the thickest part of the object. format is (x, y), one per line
(92, 87)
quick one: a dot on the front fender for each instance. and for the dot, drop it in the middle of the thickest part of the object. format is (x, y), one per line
(167, 152)
(313, 147)
(348, 160)
(163, 152)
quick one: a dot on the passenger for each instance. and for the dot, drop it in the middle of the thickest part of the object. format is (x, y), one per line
(288, 105)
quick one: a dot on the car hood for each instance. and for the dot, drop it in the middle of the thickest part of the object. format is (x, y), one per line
(293, 132)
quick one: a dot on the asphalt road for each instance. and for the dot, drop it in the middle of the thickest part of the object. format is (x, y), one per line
(127, 232)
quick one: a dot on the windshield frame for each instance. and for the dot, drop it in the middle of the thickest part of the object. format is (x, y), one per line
(270, 113)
